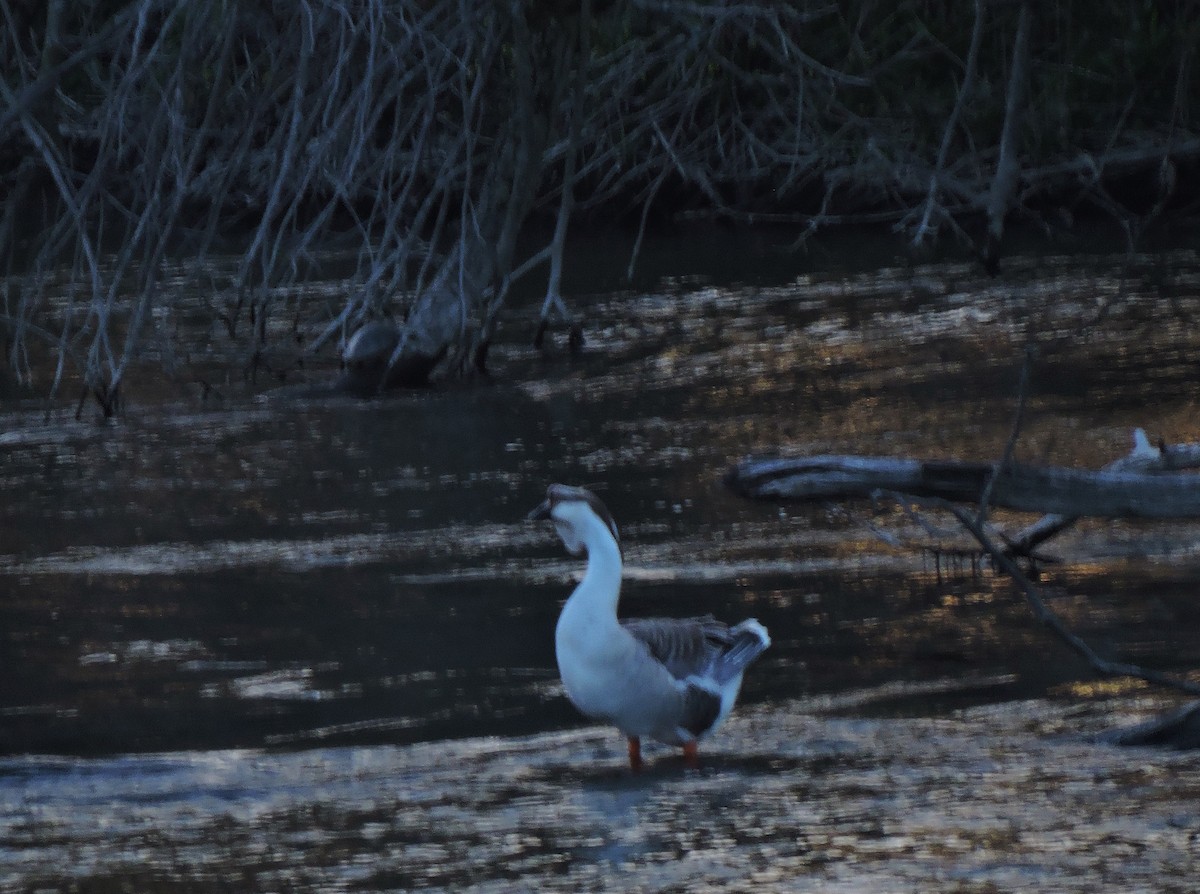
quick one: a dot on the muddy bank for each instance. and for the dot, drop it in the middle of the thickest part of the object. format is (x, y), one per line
(812, 795)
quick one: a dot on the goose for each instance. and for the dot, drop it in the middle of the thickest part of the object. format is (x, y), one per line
(673, 680)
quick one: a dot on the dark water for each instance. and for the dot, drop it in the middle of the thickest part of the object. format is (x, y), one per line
(209, 607)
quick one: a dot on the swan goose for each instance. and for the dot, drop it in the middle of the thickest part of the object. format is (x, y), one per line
(669, 679)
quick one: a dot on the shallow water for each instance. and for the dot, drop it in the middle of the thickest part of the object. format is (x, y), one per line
(793, 796)
(278, 643)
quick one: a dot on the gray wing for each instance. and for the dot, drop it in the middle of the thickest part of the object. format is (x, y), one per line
(684, 646)
(704, 649)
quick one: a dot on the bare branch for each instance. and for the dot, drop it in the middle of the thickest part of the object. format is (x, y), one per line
(1047, 616)
(1004, 184)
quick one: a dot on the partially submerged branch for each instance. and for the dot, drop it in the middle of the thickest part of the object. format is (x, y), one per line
(1045, 614)
(1112, 493)
(1142, 458)
(1178, 729)
(1144, 484)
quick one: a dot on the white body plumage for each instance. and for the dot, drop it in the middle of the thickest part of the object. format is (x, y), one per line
(671, 679)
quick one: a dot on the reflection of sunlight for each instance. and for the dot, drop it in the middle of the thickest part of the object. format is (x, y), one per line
(281, 684)
(293, 575)
(292, 555)
(1003, 795)
(173, 651)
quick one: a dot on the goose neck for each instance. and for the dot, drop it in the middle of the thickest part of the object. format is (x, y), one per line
(604, 564)
(597, 594)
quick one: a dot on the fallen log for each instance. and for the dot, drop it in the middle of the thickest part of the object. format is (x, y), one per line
(1144, 484)
(1144, 457)
(1111, 493)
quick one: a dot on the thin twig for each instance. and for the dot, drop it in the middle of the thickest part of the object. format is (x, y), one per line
(1041, 610)
(1014, 433)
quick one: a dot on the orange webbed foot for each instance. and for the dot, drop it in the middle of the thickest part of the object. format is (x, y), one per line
(691, 756)
(635, 754)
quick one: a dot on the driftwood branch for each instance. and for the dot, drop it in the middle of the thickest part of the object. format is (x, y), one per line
(1146, 483)
(1143, 458)
(1178, 729)
(1044, 613)
(1144, 492)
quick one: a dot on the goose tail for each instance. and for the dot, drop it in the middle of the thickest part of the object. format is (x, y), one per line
(747, 641)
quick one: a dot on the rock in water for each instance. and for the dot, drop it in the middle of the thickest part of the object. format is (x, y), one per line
(369, 367)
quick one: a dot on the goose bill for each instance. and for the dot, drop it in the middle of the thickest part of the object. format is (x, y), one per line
(541, 513)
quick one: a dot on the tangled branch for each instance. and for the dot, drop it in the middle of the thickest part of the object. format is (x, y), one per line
(418, 140)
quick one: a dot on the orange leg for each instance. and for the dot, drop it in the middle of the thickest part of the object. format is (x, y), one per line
(690, 757)
(635, 753)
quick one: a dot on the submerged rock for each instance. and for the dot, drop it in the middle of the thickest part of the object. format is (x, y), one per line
(371, 363)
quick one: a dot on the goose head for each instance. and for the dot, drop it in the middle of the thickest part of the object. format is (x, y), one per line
(581, 520)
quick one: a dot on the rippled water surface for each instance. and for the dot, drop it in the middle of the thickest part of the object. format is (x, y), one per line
(268, 643)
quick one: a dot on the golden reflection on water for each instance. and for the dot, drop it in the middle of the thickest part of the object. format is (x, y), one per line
(994, 798)
(322, 581)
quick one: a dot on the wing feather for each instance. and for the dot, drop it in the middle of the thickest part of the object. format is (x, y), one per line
(686, 647)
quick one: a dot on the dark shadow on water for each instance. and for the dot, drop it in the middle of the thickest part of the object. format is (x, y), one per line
(308, 645)
(336, 658)
(923, 703)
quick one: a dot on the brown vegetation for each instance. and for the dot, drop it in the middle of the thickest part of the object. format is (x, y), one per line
(422, 137)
